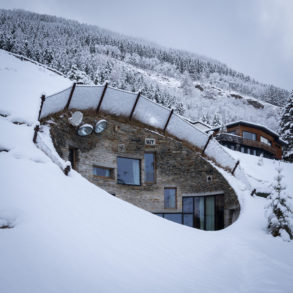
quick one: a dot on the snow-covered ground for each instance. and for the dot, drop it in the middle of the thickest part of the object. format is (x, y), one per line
(261, 171)
(68, 235)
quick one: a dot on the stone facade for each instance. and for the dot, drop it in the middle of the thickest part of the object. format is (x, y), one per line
(176, 163)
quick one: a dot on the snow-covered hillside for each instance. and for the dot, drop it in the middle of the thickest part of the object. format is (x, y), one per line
(198, 87)
(68, 235)
(261, 171)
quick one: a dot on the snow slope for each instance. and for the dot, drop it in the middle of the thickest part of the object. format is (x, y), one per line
(70, 236)
(261, 174)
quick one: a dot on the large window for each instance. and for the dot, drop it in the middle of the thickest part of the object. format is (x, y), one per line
(249, 135)
(204, 212)
(170, 198)
(128, 171)
(149, 168)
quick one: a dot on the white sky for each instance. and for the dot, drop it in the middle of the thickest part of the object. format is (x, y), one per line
(251, 36)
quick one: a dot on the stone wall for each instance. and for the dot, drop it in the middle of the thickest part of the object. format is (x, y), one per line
(177, 164)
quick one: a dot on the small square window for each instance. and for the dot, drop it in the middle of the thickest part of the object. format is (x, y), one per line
(170, 198)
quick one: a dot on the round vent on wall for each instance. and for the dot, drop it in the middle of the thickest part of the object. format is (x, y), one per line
(76, 118)
(85, 129)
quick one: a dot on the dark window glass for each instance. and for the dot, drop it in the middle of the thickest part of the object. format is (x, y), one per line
(170, 198)
(187, 205)
(199, 212)
(249, 135)
(219, 212)
(102, 171)
(128, 171)
(72, 157)
(149, 167)
(174, 217)
(188, 220)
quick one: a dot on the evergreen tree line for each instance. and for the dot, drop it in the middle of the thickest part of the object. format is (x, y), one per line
(96, 55)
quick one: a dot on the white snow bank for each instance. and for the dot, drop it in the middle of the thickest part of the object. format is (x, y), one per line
(261, 175)
(22, 78)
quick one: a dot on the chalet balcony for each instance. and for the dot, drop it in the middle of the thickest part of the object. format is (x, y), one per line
(239, 140)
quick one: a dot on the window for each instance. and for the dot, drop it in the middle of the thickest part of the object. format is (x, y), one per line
(128, 171)
(177, 218)
(249, 135)
(204, 212)
(242, 149)
(170, 198)
(265, 140)
(103, 172)
(149, 168)
(72, 157)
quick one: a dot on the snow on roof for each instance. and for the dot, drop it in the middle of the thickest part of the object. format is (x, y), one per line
(255, 125)
(117, 102)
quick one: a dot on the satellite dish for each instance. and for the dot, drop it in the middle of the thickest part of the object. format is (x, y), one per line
(76, 118)
(101, 126)
(85, 129)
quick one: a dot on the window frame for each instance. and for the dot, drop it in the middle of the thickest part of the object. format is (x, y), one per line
(112, 173)
(155, 168)
(170, 208)
(244, 131)
(265, 141)
(139, 164)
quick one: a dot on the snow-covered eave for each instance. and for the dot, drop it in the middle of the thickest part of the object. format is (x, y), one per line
(255, 125)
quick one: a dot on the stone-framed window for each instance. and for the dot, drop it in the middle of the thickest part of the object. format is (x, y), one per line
(128, 171)
(170, 197)
(103, 172)
(149, 168)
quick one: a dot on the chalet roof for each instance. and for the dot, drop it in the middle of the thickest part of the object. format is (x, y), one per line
(254, 125)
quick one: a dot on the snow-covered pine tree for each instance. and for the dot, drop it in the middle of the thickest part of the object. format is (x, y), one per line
(286, 129)
(278, 210)
(78, 75)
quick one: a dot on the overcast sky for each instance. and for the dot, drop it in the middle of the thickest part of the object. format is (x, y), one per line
(251, 36)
